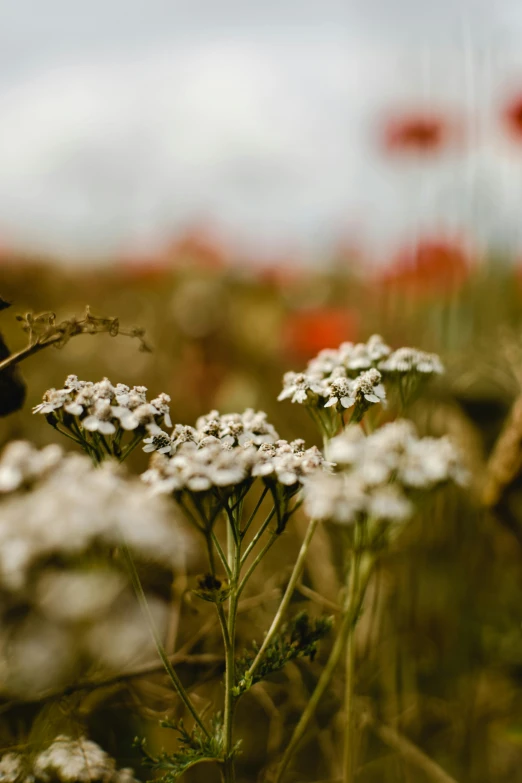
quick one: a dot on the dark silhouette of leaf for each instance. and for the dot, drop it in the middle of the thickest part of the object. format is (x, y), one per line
(12, 385)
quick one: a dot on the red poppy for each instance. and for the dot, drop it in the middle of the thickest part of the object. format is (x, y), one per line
(420, 134)
(513, 118)
(306, 332)
(432, 266)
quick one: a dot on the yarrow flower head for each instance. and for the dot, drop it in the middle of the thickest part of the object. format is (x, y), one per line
(222, 456)
(303, 388)
(97, 415)
(352, 377)
(288, 463)
(380, 475)
(22, 464)
(411, 360)
(230, 429)
(61, 521)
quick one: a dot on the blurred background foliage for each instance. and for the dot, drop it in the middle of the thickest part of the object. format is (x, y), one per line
(440, 642)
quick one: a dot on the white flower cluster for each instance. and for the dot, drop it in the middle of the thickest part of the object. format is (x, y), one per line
(22, 464)
(405, 361)
(104, 408)
(66, 760)
(289, 463)
(65, 598)
(74, 507)
(380, 473)
(207, 461)
(200, 468)
(229, 429)
(353, 374)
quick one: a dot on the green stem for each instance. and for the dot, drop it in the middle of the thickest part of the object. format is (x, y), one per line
(350, 616)
(283, 606)
(348, 748)
(230, 668)
(254, 512)
(256, 562)
(131, 446)
(142, 599)
(221, 554)
(258, 535)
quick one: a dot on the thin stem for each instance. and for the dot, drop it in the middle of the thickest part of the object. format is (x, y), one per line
(69, 435)
(15, 358)
(348, 622)
(130, 447)
(283, 606)
(256, 562)
(142, 599)
(257, 536)
(229, 773)
(348, 749)
(221, 554)
(254, 512)
(219, 606)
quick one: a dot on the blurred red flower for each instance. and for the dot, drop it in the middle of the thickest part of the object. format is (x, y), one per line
(431, 266)
(417, 133)
(513, 118)
(305, 332)
(197, 248)
(141, 266)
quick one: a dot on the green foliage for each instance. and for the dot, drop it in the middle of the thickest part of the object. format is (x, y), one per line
(298, 639)
(195, 748)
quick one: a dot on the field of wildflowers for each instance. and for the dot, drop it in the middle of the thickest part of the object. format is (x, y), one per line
(264, 526)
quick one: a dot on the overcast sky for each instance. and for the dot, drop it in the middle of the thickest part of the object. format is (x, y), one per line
(124, 120)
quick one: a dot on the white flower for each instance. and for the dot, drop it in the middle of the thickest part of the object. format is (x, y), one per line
(21, 464)
(216, 463)
(102, 407)
(160, 442)
(258, 428)
(161, 403)
(344, 497)
(337, 497)
(395, 452)
(325, 362)
(367, 387)
(389, 503)
(363, 356)
(100, 418)
(411, 360)
(200, 469)
(52, 400)
(339, 392)
(300, 387)
(144, 415)
(289, 463)
(75, 506)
